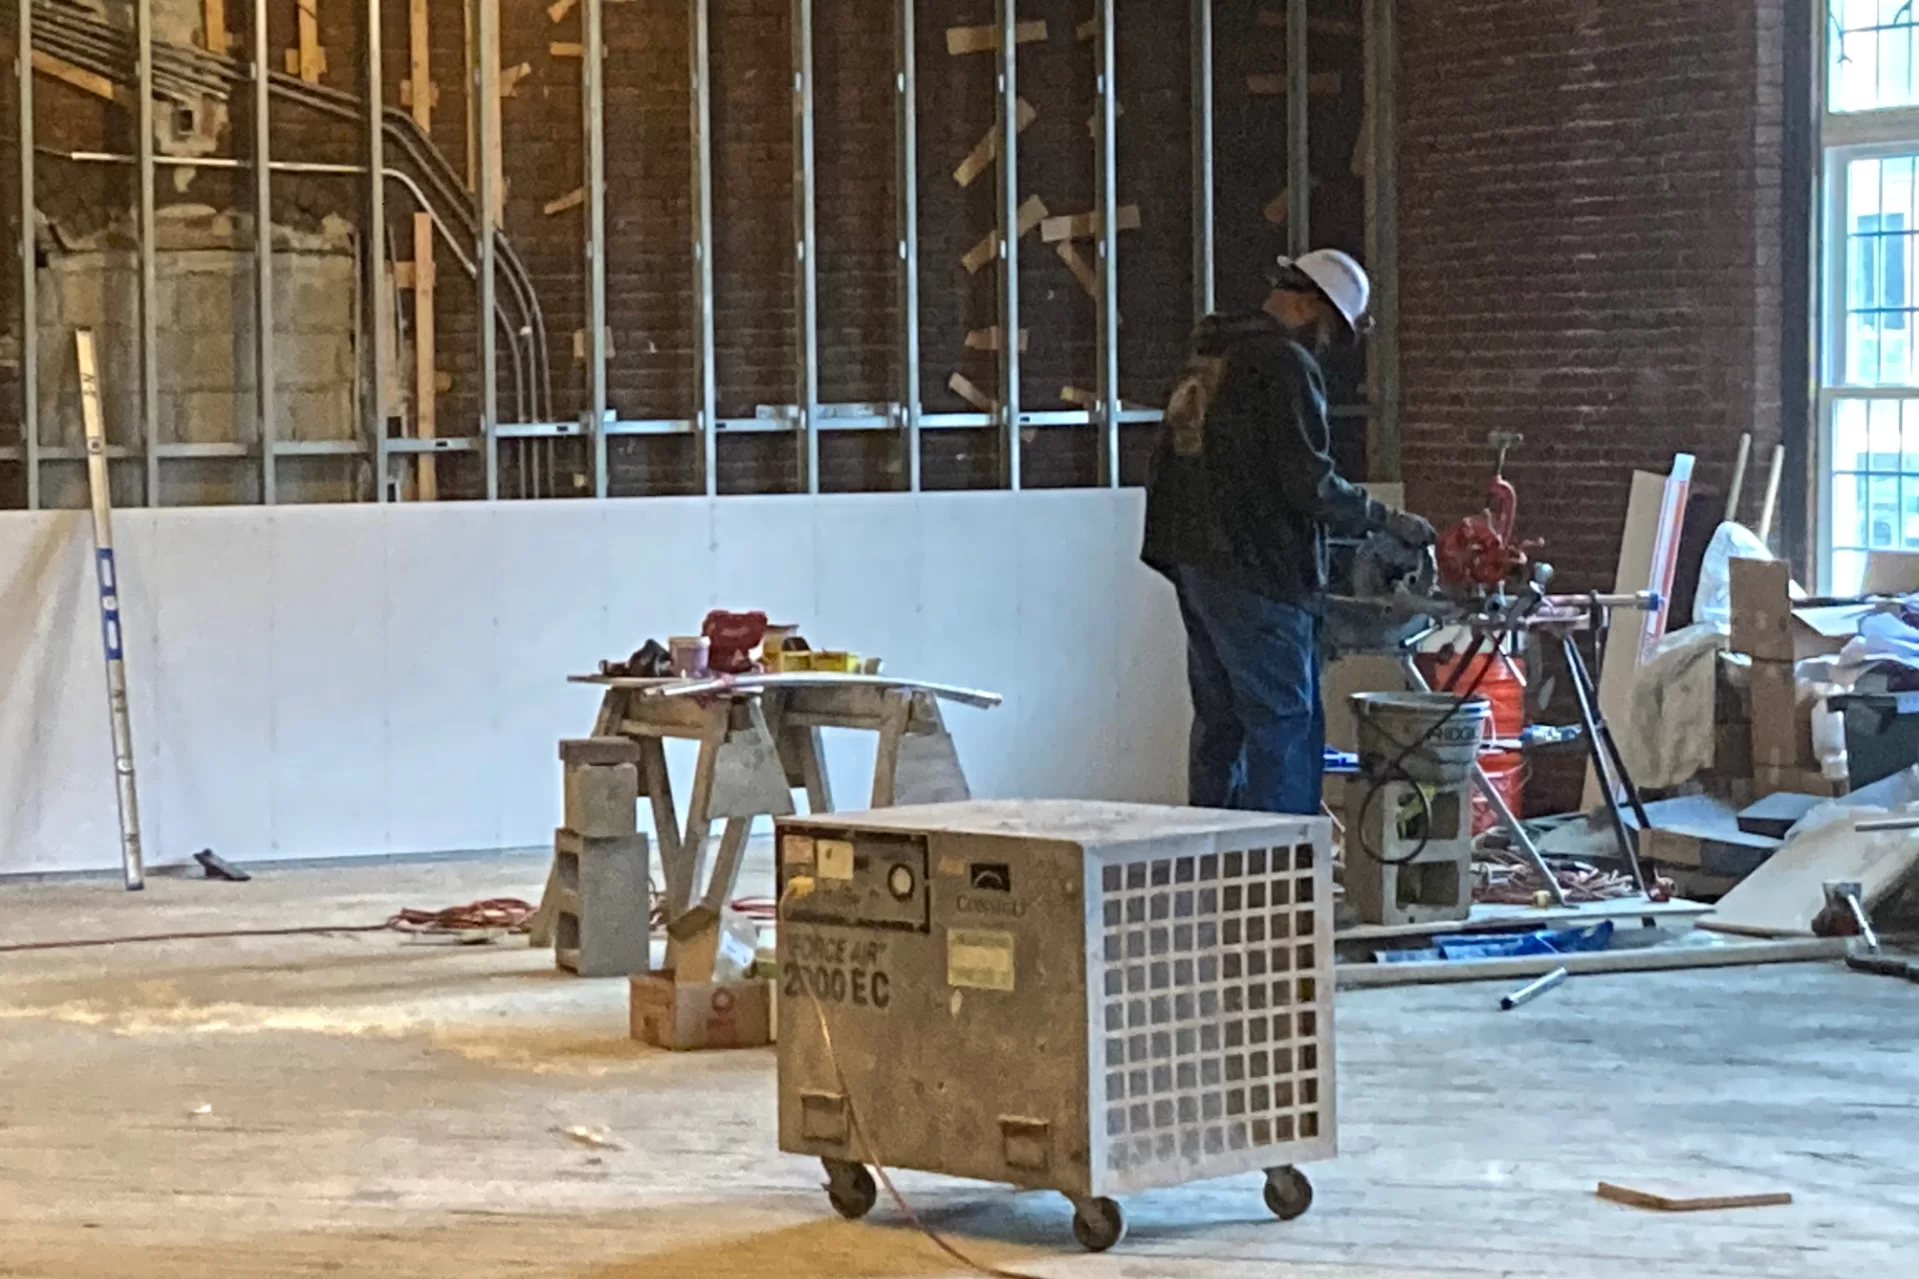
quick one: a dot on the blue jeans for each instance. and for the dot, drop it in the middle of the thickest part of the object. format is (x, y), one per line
(1259, 732)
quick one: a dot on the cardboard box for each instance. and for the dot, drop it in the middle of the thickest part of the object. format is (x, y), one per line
(1768, 628)
(695, 1015)
(1781, 727)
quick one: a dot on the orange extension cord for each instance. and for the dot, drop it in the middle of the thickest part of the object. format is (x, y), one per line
(509, 913)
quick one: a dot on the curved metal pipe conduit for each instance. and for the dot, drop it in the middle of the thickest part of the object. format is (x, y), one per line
(447, 237)
(182, 72)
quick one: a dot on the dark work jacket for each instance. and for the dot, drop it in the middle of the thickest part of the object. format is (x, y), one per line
(1242, 484)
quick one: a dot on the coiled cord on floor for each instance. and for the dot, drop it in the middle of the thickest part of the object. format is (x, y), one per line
(800, 886)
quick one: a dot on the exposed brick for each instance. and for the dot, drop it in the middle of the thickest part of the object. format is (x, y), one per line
(1589, 245)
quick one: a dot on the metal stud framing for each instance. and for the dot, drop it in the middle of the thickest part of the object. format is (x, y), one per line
(29, 274)
(1382, 247)
(700, 121)
(1009, 361)
(377, 290)
(806, 299)
(1205, 270)
(149, 285)
(262, 255)
(906, 415)
(487, 37)
(593, 101)
(907, 178)
(1106, 174)
(1299, 172)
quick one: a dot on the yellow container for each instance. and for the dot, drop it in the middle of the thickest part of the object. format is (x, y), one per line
(837, 660)
(789, 660)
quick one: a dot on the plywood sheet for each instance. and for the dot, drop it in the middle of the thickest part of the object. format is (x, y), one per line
(1782, 897)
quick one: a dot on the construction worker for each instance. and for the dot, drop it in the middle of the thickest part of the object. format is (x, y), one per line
(1242, 497)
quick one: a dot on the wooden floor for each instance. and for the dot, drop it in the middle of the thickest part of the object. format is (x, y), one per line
(354, 1104)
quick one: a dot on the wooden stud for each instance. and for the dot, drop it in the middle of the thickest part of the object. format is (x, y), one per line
(983, 155)
(426, 379)
(419, 67)
(557, 11)
(403, 276)
(566, 49)
(214, 16)
(985, 39)
(988, 339)
(962, 386)
(1082, 269)
(308, 61)
(510, 78)
(1318, 84)
(495, 158)
(406, 97)
(1084, 226)
(1031, 214)
(560, 204)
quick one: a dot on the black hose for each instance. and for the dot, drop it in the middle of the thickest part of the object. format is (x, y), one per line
(1396, 771)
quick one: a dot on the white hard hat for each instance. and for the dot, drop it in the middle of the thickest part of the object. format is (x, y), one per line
(1341, 279)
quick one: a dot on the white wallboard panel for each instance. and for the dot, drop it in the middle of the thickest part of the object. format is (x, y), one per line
(361, 680)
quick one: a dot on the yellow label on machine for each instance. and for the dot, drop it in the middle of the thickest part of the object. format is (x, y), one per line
(979, 959)
(834, 858)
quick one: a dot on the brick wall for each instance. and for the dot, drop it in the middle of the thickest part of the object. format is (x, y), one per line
(1589, 251)
(1589, 245)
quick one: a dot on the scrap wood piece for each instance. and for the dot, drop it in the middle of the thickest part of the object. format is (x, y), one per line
(1092, 121)
(78, 78)
(561, 203)
(1667, 1197)
(214, 17)
(510, 78)
(1088, 30)
(579, 344)
(1318, 84)
(1031, 214)
(983, 155)
(985, 39)
(988, 339)
(963, 386)
(1080, 397)
(566, 49)
(432, 99)
(1082, 269)
(558, 10)
(1278, 208)
(1084, 226)
(309, 60)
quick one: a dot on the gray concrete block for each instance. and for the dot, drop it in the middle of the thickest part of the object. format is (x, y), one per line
(315, 413)
(601, 800)
(603, 924)
(308, 361)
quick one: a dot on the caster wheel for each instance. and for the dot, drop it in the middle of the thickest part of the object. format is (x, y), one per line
(1288, 1193)
(1098, 1224)
(849, 1188)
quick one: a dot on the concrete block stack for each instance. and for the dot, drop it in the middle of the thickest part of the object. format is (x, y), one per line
(602, 898)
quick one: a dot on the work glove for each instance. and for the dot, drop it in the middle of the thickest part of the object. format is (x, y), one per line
(1404, 526)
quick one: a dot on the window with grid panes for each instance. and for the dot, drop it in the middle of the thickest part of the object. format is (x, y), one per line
(1869, 394)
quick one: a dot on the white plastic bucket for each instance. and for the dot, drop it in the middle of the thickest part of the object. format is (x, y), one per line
(1434, 737)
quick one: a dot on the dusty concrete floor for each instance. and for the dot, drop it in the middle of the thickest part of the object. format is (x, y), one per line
(355, 1104)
